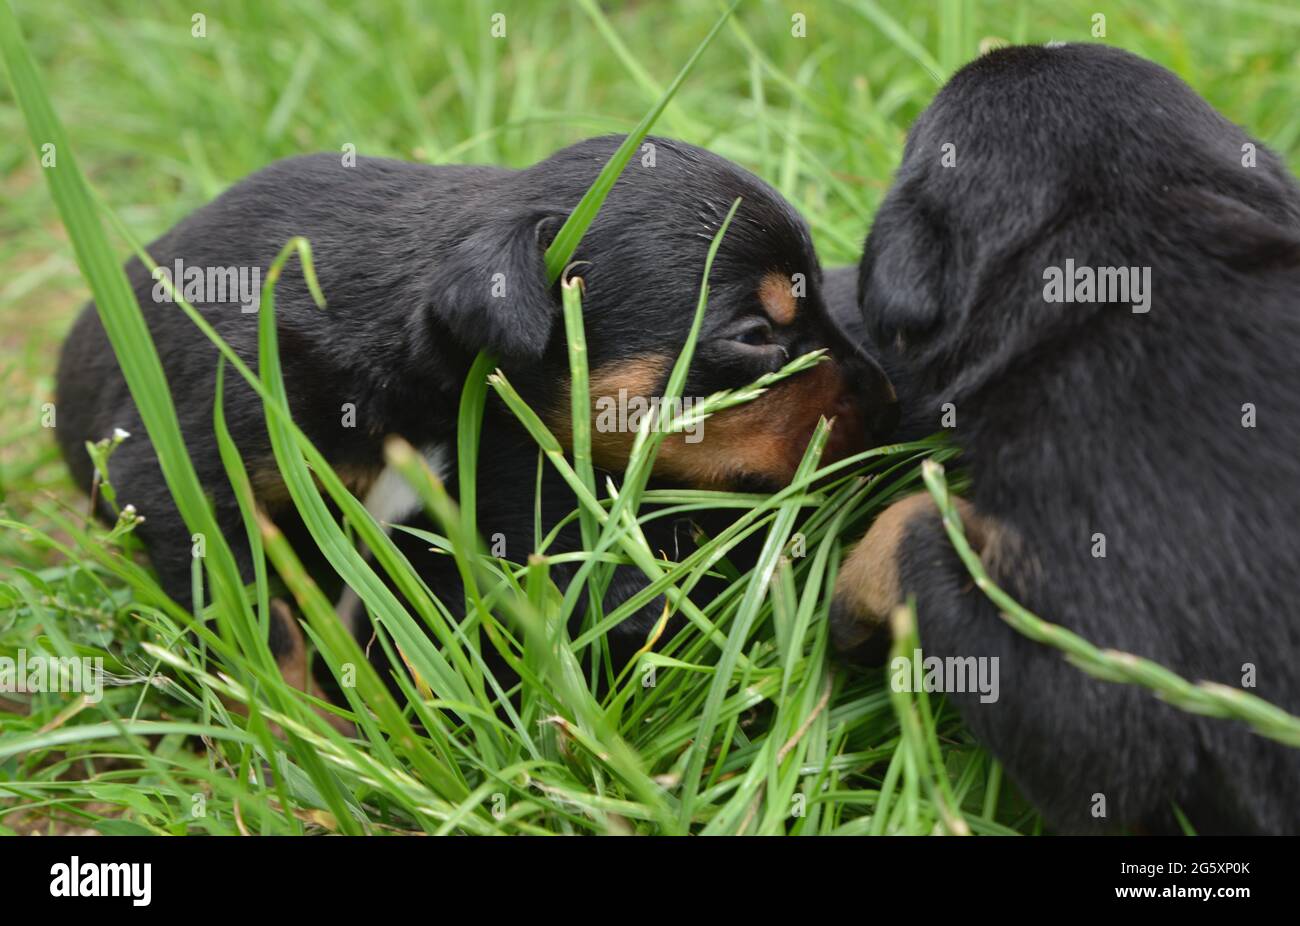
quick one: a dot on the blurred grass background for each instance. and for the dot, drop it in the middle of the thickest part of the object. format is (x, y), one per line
(162, 120)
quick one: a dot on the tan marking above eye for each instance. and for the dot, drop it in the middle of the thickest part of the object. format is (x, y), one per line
(776, 293)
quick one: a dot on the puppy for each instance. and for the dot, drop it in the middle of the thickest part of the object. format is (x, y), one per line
(422, 267)
(1133, 452)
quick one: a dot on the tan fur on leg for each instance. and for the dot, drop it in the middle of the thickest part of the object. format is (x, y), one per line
(868, 587)
(294, 670)
(293, 665)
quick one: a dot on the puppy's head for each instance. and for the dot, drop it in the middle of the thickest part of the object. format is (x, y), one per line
(1031, 156)
(642, 269)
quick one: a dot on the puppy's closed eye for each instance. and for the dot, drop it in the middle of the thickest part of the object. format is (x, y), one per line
(755, 333)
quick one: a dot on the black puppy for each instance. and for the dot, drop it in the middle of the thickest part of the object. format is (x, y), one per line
(1098, 277)
(422, 267)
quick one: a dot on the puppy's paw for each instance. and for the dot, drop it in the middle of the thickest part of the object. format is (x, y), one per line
(290, 651)
(868, 587)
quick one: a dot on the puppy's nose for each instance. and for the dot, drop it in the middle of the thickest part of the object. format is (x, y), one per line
(882, 422)
(872, 396)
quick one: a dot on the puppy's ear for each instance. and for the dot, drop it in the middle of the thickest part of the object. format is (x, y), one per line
(899, 277)
(1242, 237)
(490, 290)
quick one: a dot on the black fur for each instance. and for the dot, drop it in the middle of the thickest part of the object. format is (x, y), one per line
(1087, 418)
(843, 300)
(408, 256)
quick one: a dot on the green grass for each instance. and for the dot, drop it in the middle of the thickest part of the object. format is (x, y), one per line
(160, 122)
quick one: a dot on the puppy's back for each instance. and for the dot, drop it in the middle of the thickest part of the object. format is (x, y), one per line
(360, 218)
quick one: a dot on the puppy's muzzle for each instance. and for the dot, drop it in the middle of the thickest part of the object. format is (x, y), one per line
(866, 410)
